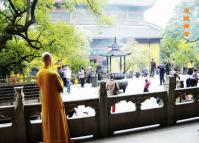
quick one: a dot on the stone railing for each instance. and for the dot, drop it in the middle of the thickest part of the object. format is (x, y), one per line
(23, 128)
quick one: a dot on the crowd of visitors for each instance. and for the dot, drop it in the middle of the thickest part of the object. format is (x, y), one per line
(82, 77)
(169, 68)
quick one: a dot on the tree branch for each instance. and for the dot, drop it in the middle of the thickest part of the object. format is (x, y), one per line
(30, 41)
(5, 16)
(190, 41)
(90, 4)
(13, 7)
(28, 10)
(32, 13)
(27, 58)
(14, 28)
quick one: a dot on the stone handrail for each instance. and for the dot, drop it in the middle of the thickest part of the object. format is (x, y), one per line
(191, 90)
(103, 123)
(138, 97)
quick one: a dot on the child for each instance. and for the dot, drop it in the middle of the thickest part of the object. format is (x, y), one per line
(146, 86)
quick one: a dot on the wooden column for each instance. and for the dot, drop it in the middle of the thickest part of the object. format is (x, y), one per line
(120, 64)
(110, 64)
(107, 64)
(124, 64)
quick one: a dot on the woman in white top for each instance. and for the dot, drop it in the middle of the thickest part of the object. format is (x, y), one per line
(82, 76)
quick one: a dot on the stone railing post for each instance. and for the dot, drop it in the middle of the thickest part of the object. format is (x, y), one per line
(103, 111)
(170, 87)
(20, 118)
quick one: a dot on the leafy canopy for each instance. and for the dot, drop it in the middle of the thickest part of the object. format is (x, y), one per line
(26, 31)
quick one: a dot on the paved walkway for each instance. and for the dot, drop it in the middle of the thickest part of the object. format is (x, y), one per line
(183, 133)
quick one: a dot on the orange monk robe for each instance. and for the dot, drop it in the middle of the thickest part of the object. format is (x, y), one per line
(54, 121)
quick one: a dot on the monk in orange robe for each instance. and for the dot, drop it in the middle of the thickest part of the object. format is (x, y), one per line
(54, 121)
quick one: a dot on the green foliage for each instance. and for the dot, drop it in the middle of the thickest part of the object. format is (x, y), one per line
(61, 39)
(67, 45)
(184, 53)
(76, 61)
(174, 44)
(12, 55)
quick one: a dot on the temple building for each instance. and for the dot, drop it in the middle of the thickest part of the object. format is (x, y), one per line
(128, 24)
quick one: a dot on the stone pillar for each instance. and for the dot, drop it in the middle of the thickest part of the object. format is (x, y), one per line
(171, 86)
(103, 126)
(94, 80)
(19, 123)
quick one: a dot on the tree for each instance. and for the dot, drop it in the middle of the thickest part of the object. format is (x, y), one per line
(174, 44)
(15, 56)
(27, 22)
(18, 17)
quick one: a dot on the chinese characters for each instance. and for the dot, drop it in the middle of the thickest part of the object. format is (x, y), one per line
(186, 21)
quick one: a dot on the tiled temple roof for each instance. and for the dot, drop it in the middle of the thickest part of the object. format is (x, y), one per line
(144, 3)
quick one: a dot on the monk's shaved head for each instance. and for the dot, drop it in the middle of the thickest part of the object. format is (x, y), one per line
(46, 55)
(47, 58)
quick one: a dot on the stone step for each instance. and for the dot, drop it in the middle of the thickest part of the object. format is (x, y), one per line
(12, 88)
(6, 91)
(31, 95)
(30, 89)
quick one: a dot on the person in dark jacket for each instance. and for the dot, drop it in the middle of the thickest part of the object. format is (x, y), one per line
(99, 72)
(161, 73)
(168, 67)
(153, 67)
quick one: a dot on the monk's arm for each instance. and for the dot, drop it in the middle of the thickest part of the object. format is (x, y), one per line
(38, 80)
(59, 82)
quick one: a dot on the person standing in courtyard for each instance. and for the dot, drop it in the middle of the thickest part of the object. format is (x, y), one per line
(82, 76)
(89, 78)
(195, 77)
(67, 75)
(146, 86)
(112, 88)
(153, 67)
(54, 122)
(64, 76)
(168, 67)
(190, 67)
(99, 71)
(161, 73)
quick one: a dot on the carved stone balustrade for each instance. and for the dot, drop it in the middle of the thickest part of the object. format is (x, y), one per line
(22, 122)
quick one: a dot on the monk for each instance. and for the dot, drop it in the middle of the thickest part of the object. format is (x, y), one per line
(54, 121)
